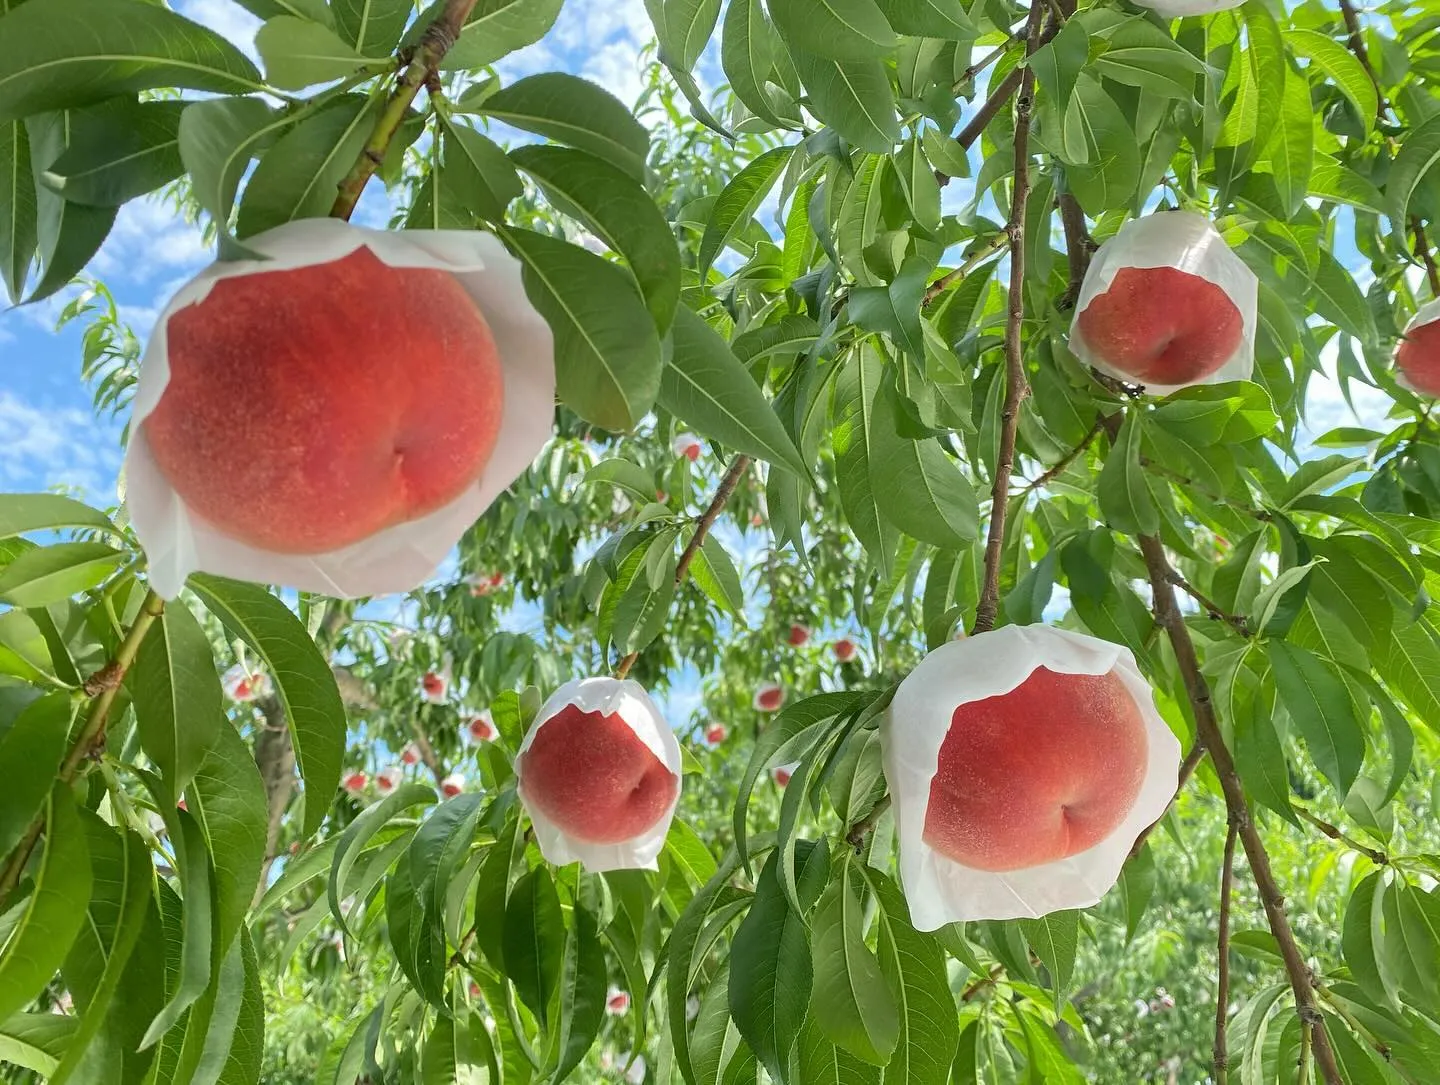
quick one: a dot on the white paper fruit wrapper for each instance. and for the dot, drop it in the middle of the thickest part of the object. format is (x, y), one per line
(627, 699)
(1187, 242)
(1173, 9)
(1426, 314)
(941, 890)
(399, 558)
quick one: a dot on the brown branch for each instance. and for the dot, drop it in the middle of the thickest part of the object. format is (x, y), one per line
(1003, 92)
(427, 751)
(1222, 969)
(1016, 387)
(996, 971)
(1422, 249)
(1066, 460)
(91, 739)
(1379, 858)
(856, 836)
(1079, 247)
(437, 40)
(738, 466)
(1239, 621)
(1207, 727)
(1357, 46)
(1187, 770)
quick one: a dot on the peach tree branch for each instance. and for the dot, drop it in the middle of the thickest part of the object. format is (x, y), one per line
(1379, 858)
(439, 37)
(1422, 249)
(1221, 1058)
(1187, 770)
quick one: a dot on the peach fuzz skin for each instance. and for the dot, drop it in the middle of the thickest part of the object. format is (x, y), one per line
(1160, 325)
(309, 409)
(592, 776)
(1038, 774)
(1419, 358)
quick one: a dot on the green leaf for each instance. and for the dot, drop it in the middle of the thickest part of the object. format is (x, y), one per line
(738, 201)
(372, 26)
(494, 29)
(36, 1041)
(1330, 180)
(118, 152)
(624, 475)
(1137, 886)
(1106, 176)
(747, 56)
(619, 211)
(1337, 299)
(1058, 63)
(607, 353)
(1054, 937)
(228, 797)
(1142, 55)
(918, 488)
(217, 140)
(1334, 60)
(895, 309)
(714, 573)
(458, 1049)
(582, 993)
(18, 236)
(573, 111)
(31, 750)
(854, 441)
(41, 926)
(707, 388)
(1409, 662)
(1124, 497)
(535, 941)
(1322, 709)
(928, 18)
(69, 233)
(52, 574)
(302, 678)
(853, 97)
(177, 697)
(298, 53)
(247, 1045)
(1417, 156)
(683, 28)
(359, 833)
(850, 1000)
(836, 29)
(22, 513)
(296, 177)
(770, 965)
(438, 850)
(1292, 147)
(65, 53)
(120, 900)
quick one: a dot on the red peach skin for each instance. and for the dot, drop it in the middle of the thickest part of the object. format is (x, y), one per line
(1419, 358)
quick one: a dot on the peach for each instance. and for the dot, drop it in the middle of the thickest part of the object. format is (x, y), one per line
(452, 785)
(355, 782)
(1161, 325)
(769, 697)
(387, 780)
(433, 687)
(688, 445)
(617, 1002)
(1041, 773)
(590, 774)
(242, 685)
(798, 635)
(716, 733)
(1418, 359)
(410, 755)
(844, 649)
(308, 409)
(481, 728)
(781, 773)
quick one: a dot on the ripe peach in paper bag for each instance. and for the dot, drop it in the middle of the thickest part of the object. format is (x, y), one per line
(334, 416)
(599, 774)
(1417, 358)
(1022, 763)
(1166, 304)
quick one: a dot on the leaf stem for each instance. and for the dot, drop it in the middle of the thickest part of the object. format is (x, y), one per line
(738, 466)
(91, 738)
(1016, 386)
(437, 40)
(1222, 967)
(1239, 621)
(1379, 858)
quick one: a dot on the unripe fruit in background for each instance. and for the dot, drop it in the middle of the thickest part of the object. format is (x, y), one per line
(1417, 357)
(335, 416)
(1166, 304)
(769, 697)
(599, 774)
(1022, 764)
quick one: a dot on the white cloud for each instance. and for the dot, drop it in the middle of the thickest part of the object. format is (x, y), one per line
(226, 18)
(43, 446)
(150, 238)
(599, 40)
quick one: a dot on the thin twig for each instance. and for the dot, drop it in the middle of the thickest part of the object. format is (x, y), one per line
(981, 64)
(1357, 46)
(1303, 1066)
(437, 40)
(1065, 461)
(1016, 387)
(856, 836)
(1003, 92)
(1422, 249)
(940, 285)
(727, 486)
(1187, 770)
(427, 752)
(1079, 247)
(1379, 858)
(1381, 1048)
(1222, 969)
(91, 739)
(1238, 621)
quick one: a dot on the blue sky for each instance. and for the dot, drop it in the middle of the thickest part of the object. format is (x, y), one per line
(48, 435)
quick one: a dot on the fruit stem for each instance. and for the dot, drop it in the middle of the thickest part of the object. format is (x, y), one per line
(1222, 971)
(437, 40)
(1016, 386)
(727, 486)
(106, 682)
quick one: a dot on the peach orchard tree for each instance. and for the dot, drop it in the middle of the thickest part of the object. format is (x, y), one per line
(252, 834)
